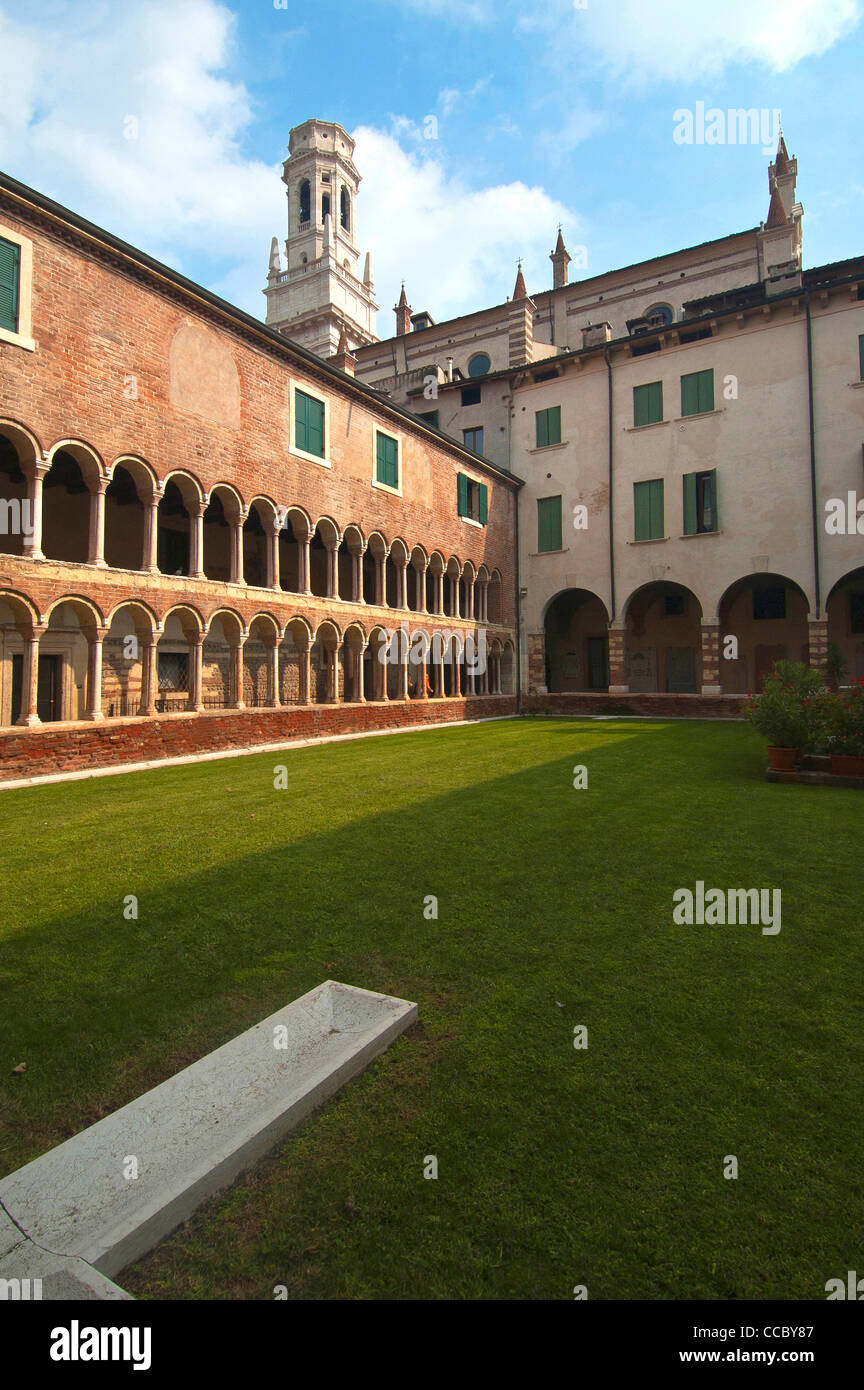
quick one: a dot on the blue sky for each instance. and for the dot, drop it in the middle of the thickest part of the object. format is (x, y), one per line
(546, 112)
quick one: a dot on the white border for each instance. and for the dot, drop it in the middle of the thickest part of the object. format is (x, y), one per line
(292, 420)
(23, 337)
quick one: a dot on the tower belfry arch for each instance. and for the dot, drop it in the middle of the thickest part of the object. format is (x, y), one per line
(314, 288)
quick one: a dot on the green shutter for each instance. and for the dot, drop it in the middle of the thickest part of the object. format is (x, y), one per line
(388, 461)
(309, 426)
(484, 503)
(861, 356)
(648, 510)
(548, 426)
(648, 403)
(549, 523)
(697, 392)
(542, 418)
(689, 504)
(710, 501)
(10, 262)
(554, 424)
(462, 493)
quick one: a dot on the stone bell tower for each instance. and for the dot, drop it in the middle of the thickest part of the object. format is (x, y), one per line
(315, 294)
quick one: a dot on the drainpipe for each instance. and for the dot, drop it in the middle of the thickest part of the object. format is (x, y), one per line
(813, 493)
(611, 462)
(518, 602)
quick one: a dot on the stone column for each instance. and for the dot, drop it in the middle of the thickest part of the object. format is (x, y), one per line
(303, 564)
(149, 678)
(817, 633)
(237, 575)
(361, 677)
(437, 672)
(273, 697)
(332, 572)
(196, 541)
(237, 700)
(196, 681)
(33, 542)
(618, 661)
(439, 594)
(96, 542)
(93, 700)
(711, 684)
(356, 576)
(469, 599)
(305, 655)
(380, 580)
(332, 655)
(30, 679)
(149, 559)
(273, 580)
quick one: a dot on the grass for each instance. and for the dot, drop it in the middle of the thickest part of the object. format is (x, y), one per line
(557, 1167)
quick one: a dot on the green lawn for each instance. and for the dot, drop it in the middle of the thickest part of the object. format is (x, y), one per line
(557, 1167)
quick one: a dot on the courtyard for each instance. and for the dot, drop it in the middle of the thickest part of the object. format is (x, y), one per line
(557, 1166)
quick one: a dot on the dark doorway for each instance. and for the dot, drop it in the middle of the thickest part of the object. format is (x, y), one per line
(47, 688)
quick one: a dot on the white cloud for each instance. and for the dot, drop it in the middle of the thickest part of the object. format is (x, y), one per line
(455, 246)
(81, 84)
(677, 39)
(451, 97)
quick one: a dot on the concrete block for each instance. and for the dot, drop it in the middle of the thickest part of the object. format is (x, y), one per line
(193, 1134)
(57, 1278)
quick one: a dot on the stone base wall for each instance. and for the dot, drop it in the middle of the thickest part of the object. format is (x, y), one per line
(659, 705)
(75, 747)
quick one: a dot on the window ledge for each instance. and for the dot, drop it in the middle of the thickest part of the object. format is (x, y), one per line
(385, 487)
(701, 414)
(545, 448)
(469, 521)
(856, 385)
(697, 535)
(652, 425)
(533, 553)
(653, 540)
(309, 458)
(17, 340)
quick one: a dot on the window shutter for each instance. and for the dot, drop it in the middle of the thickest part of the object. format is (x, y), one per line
(648, 510)
(648, 403)
(656, 505)
(548, 523)
(301, 426)
(315, 427)
(554, 426)
(10, 259)
(640, 511)
(388, 461)
(462, 493)
(542, 429)
(861, 356)
(689, 504)
(484, 504)
(689, 395)
(706, 390)
(710, 502)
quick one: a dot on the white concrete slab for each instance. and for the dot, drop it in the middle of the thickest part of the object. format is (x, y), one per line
(41, 1275)
(194, 1134)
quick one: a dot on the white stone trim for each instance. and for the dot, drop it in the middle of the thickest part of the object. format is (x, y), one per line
(23, 337)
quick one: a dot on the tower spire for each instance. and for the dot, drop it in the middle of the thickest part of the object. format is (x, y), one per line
(402, 311)
(519, 290)
(560, 259)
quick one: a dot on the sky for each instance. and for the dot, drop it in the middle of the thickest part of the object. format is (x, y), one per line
(480, 126)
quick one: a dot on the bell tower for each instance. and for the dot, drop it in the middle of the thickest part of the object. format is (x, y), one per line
(316, 293)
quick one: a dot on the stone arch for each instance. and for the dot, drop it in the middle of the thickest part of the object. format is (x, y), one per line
(294, 536)
(844, 610)
(416, 578)
(395, 567)
(494, 599)
(375, 664)
(260, 662)
(259, 543)
(350, 563)
(767, 614)
(663, 622)
(351, 663)
(20, 683)
(324, 663)
(181, 507)
(294, 662)
(130, 495)
(127, 663)
(576, 642)
(323, 548)
(72, 638)
(435, 583)
(20, 453)
(74, 480)
(374, 561)
(178, 658)
(222, 534)
(452, 576)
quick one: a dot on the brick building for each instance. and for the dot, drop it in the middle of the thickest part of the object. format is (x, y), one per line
(210, 537)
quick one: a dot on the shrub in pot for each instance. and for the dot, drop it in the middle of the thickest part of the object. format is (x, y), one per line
(842, 718)
(785, 713)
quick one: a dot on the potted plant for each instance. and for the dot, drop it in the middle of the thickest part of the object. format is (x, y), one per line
(843, 723)
(835, 665)
(785, 713)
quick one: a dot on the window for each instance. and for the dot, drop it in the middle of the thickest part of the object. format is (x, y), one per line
(861, 357)
(473, 439)
(694, 334)
(325, 208)
(548, 426)
(386, 460)
(480, 364)
(431, 418)
(769, 601)
(549, 523)
(305, 201)
(471, 395)
(309, 424)
(10, 277)
(472, 499)
(648, 403)
(697, 392)
(700, 502)
(856, 612)
(648, 510)
(673, 605)
(345, 208)
(173, 669)
(660, 315)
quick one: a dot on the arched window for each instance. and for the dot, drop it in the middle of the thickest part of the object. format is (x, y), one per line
(305, 201)
(661, 313)
(479, 364)
(325, 207)
(345, 208)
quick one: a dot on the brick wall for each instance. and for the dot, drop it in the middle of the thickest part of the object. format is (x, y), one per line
(75, 747)
(658, 705)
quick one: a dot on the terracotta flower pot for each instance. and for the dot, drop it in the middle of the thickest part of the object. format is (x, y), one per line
(782, 759)
(847, 765)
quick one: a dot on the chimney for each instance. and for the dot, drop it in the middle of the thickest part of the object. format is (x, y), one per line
(343, 358)
(593, 334)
